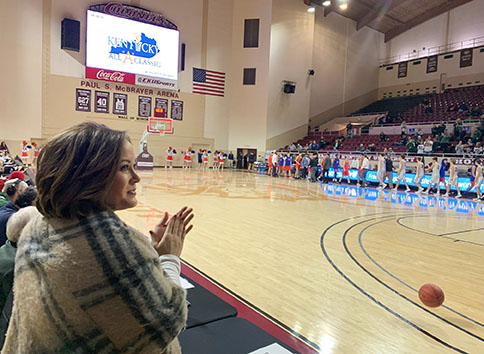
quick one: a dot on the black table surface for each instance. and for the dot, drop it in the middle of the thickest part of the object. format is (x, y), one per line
(228, 336)
(205, 307)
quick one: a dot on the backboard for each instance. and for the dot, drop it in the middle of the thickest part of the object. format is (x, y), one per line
(161, 125)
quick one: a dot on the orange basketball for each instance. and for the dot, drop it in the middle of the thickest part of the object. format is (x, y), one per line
(431, 295)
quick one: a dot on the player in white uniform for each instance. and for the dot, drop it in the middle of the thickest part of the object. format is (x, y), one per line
(478, 180)
(435, 178)
(205, 160)
(419, 174)
(453, 179)
(380, 173)
(402, 171)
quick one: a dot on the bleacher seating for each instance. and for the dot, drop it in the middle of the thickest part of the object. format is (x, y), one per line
(393, 106)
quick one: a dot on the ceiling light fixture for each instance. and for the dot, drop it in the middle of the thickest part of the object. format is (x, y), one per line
(343, 6)
(326, 3)
(311, 10)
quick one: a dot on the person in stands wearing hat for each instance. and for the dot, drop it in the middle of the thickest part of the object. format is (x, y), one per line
(11, 190)
(25, 198)
(94, 284)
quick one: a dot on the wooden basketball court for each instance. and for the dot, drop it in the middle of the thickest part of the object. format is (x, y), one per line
(338, 266)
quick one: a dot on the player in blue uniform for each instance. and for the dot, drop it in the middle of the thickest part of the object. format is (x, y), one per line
(336, 168)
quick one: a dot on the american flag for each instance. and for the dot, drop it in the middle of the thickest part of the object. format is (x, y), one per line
(208, 82)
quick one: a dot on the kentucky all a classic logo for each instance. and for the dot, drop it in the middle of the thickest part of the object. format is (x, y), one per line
(136, 51)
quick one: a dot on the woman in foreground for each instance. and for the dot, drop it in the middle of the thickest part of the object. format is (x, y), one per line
(85, 282)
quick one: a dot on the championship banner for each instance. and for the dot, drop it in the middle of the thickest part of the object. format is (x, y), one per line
(432, 64)
(111, 76)
(156, 82)
(466, 57)
(120, 103)
(144, 106)
(83, 100)
(161, 108)
(176, 110)
(402, 69)
(101, 102)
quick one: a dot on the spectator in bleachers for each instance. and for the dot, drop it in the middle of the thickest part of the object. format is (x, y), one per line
(444, 141)
(420, 147)
(411, 146)
(459, 149)
(478, 149)
(463, 107)
(383, 136)
(314, 146)
(372, 147)
(458, 128)
(4, 148)
(292, 147)
(418, 133)
(428, 109)
(361, 148)
(452, 108)
(435, 130)
(24, 199)
(11, 190)
(476, 111)
(391, 152)
(476, 136)
(84, 175)
(299, 146)
(322, 143)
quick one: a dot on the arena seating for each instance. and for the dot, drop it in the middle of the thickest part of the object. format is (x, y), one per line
(394, 106)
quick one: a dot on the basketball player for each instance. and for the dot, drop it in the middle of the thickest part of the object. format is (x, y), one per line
(401, 173)
(419, 174)
(287, 166)
(434, 179)
(269, 161)
(281, 165)
(221, 160)
(169, 157)
(275, 158)
(346, 171)
(187, 160)
(474, 176)
(336, 168)
(298, 165)
(453, 179)
(380, 172)
(443, 169)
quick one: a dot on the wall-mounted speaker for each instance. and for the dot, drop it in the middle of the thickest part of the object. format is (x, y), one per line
(71, 34)
(289, 87)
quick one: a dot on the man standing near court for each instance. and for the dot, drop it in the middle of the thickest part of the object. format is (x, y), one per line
(275, 158)
(304, 166)
(364, 167)
(314, 167)
(325, 167)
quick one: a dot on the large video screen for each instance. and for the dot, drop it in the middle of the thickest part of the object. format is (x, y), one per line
(118, 44)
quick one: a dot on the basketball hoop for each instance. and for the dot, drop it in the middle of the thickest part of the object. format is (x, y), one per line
(160, 125)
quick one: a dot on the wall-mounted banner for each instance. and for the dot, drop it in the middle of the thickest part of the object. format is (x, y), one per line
(432, 64)
(83, 100)
(402, 69)
(176, 110)
(109, 75)
(156, 82)
(101, 102)
(120, 103)
(466, 57)
(161, 108)
(144, 106)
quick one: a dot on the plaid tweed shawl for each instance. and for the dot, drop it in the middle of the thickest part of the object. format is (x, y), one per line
(92, 285)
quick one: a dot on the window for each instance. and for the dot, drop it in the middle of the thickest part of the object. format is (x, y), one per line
(418, 62)
(448, 56)
(389, 67)
(251, 33)
(249, 76)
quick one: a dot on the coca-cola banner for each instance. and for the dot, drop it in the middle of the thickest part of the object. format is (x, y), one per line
(176, 110)
(83, 100)
(144, 106)
(156, 82)
(101, 104)
(161, 107)
(120, 103)
(109, 75)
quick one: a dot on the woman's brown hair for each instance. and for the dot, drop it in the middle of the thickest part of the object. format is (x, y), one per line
(76, 168)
